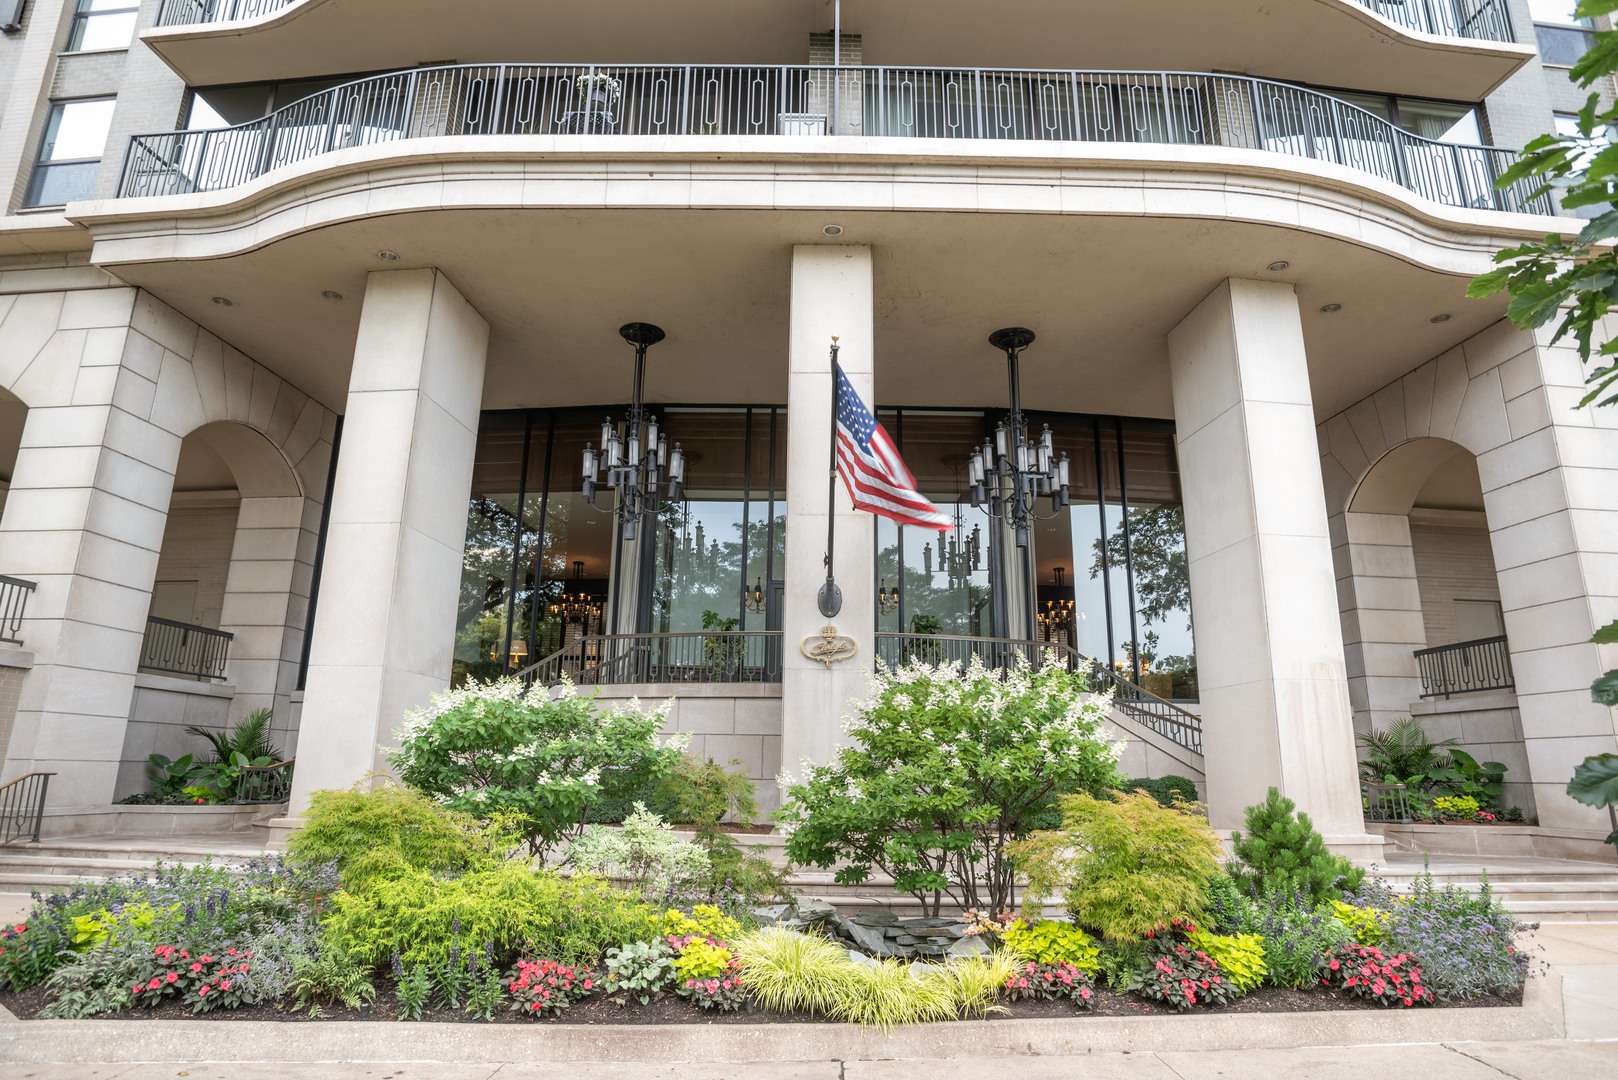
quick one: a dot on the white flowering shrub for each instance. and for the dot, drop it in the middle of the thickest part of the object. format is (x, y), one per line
(949, 767)
(535, 760)
(645, 852)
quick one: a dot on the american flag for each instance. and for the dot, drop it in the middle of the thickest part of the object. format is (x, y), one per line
(871, 468)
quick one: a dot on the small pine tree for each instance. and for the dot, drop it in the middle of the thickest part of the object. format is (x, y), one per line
(1282, 853)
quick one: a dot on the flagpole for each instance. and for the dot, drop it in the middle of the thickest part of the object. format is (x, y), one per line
(831, 597)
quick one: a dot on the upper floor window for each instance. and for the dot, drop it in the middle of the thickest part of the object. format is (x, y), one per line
(1563, 36)
(71, 152)
(103, 24)
(1441, 121)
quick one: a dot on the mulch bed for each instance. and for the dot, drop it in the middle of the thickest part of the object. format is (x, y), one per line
(672, 1010)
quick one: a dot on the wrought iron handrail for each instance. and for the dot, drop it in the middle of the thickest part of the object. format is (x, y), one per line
(1188, 108)
(196, 12)
(22, 806)
(1175, 723)
(14, 594)
(1466, 667)
(1385, 802)
(265, 783)
(1479, 20)
(184, 649)
(708, 656)
(1489, 20)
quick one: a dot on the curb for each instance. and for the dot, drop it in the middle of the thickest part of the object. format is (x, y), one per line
(66, 1041)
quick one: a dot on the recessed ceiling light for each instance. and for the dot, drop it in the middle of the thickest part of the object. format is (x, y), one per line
(223, 301)
(1277, 266)
(833, 230)
(388, 256)
(1445, 317)
(332, 294)
(1331, 309)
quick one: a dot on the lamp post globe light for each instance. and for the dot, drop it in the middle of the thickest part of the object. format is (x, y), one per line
(635, 454)
(1011, 473)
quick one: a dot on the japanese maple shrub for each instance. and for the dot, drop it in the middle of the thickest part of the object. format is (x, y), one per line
(541, 758)
(946, 769)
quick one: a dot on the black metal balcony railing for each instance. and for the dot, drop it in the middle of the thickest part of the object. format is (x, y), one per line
(708, 656)
(265, 783)
(1385, 802)
(1177, 724)
(183, 649)
(22, 807)
(1043, 106)
(14, 594)
(192, 12)
(1467, 667)
(1487, 20)
(1480, 20)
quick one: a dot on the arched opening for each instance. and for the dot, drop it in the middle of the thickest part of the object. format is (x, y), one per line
(1426, 617)
(229, 599)
(12, 415)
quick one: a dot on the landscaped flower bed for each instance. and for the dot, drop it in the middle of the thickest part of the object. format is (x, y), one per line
(480, 896)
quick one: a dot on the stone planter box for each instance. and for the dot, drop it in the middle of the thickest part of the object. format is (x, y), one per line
(1483, 840)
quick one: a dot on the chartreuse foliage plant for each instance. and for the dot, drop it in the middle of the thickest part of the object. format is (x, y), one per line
(1239, 956)
(540, 759)
(1047, 941)
(945, 770)
(512, 909)
(1368, 925)
(789, 972)
(703, 920)
(372, 833)
(1125, 867)
(1282, 852)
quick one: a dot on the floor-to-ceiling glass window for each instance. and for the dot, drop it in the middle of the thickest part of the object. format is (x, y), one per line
(1106, 574)
(544, 569)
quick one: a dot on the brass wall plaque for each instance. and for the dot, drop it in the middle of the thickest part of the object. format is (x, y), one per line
(829, 647)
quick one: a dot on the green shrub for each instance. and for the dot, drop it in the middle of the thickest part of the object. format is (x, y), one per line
(946, 770)
(1282, 852)
(331, 978)
(1466, 777)
(1296, 935)
(1166, 789)
(1456, 808)
(1240, 956)
(1402, 753)
(246, 744)
(1125, 867)
(1464, 944)
(702, 960)
(511, 908)
(492, 749)
(1368, 925)
(377, 832)
(645, 852)
(1050, 942)
(704, 920)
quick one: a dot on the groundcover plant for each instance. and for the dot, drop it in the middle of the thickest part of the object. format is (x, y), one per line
(412, 904)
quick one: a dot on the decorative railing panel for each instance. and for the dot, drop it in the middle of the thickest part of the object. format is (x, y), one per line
(1042, 106)
(14, 594)
(22, 807)
(1480, 20)
(1177, 724)
(266, 783)
(1467, 667)
(1385, 802)
(183, 649)
(194, 12)
(700, 656)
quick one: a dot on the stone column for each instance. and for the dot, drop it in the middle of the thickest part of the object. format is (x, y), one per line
(384, 632)
(831, 295)
(1269, 645)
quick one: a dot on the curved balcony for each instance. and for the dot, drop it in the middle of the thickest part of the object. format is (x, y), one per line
(1058, 106)
(1450, 49)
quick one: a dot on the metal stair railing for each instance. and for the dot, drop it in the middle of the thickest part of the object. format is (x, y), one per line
(22, 807)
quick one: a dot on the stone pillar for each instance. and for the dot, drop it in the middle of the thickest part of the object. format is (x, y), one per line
(1380, 609)
(84, 519)
(384, 633)
(1550, 489)
(1269, 645)
(831, 295)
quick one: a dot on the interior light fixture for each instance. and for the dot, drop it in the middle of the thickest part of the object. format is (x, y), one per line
(1331, 309)
(388, 256)
(1277, 266)
(332, 294)
(223, 301)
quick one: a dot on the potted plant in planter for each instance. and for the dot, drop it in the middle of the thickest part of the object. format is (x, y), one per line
(598, 95)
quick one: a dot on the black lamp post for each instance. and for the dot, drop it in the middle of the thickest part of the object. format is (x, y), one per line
(636, 455)
(1011, 473)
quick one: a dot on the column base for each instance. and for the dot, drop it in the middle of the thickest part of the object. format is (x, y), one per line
(1363, 849)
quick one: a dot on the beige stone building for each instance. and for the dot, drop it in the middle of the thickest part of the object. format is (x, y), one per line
(311, 310)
